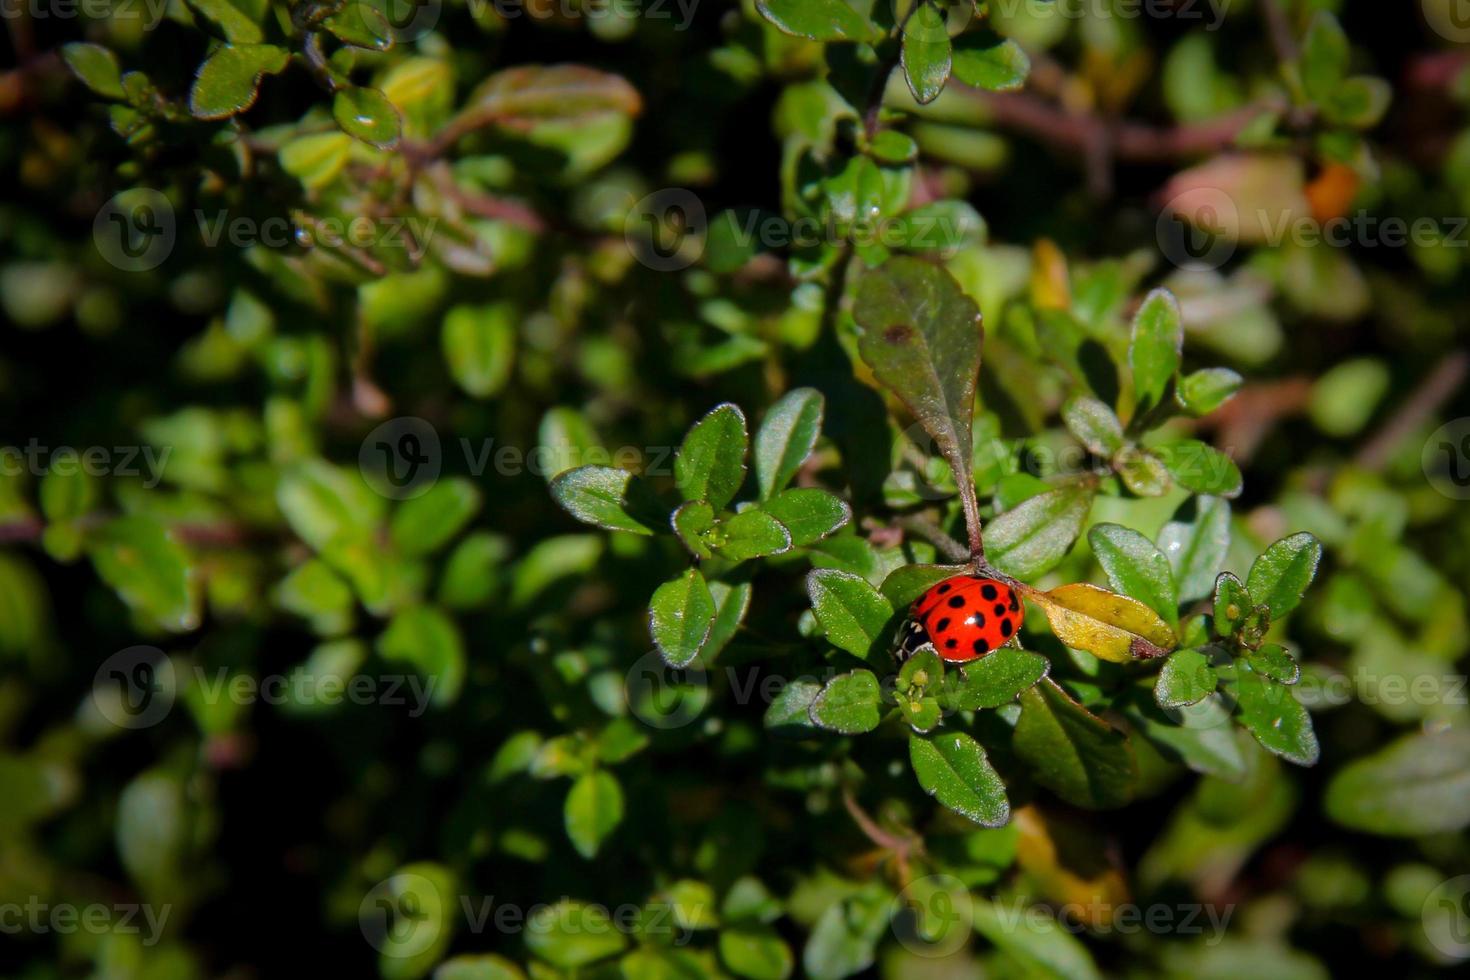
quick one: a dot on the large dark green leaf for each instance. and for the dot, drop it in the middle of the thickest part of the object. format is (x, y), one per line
(229, 79)
(1418, 785)
(1031, 538)
(1072, 752)
(1271, 712)
(609, 498)
(953, 769)
(1136, 568)
(852, 613)
(680, 617)
(819, 20)
(710, 464)
(149, 570)
(848, 704)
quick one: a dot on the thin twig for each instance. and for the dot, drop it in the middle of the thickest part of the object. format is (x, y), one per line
(934, 534)
(1433, 391)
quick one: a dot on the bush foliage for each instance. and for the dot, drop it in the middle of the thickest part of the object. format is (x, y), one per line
(467, 465)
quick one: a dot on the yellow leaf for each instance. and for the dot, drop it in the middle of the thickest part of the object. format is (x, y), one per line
(1105, 624)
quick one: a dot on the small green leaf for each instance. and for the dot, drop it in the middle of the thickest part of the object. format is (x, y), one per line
(426, 638)
(1142, 473)
(852, 613)
(818, 20)
(424, 524)
(314, 591)
(1232, 605)
(95, 66)
(148, 569)
(479, 344)
(790, 712)
(1154, 350)
(953, 769)
(1195, 543)
(1280, 576)
(786, 437)
(1136, 568)
(316, 159)
(925, 52)
(907, 582)
(892, 146)
(1094, 425)
(1324, 56)
(67, 495)
(570, 935)
(1186, 678)
(236, 25)
(1417, 786)
(680, 617)
(690, 521)
(809, 514)
(749, 534)
(755, 951)
(594, 808)
(732, 600)
(1072, 752)
(849, 703)
(710, 464)
(1031, 538)
(997, 679)
(1271, 712)
(362, 26)
(1200, 468)
(609, 498)
(1204, 391)
(983, 60)
(229, 79)
(1274, 661)
(366, 113)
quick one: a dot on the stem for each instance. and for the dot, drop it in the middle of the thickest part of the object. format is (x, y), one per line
(1432, 392)
(924, 528)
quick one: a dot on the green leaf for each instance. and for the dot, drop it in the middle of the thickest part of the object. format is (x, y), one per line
(472, 574)
(925, 52)
(1204, 391)
(710, 464)
(236, 25)
(609, 498)
(848, 704)
(1280, 576)
(362, 26)
(422, 525)
(1136, 568)
(478, 966)
(1271, 712)
(148, 569)
(691, 520)
(749, 534)
(1196, 545)
(314, 591)
(786, 437)
(1142, 473)
(479, 344)
(522, 97)
(327, 505)
(1154, 350)
(818, 20)
(1094, 425)
(755, 951)
(790, 712)
(570, 934)
(426, 638)
(366, 113)
(1416, 786)
(892, 146)
(983, 60)
(731, 603)
(1072, 752)
(953, 769)
(95, 66)
(67, 495)
(594, 808)
(1324, 56)
(1272, 660)
(1186, 678)
(1199, 736)
(1031, 538)
(998, 678)
(907, 583)
(1200, 468)
(921, 336)
(229, 79)
(316, 159)
(1043, 948)
(680, 616)
(809, 514)
(851, 612)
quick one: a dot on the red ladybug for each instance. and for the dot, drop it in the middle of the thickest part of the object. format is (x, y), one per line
(964, 617)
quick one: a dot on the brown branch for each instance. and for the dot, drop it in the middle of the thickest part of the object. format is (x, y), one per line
(1432, 392)
(924, 528)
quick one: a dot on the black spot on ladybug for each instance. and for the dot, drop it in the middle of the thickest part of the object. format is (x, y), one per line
(988, 591)
(951, 644)
(956, 602)
(981, 647)
(944, 588)
(1014, 605)
(942, 625)
(976, 620)
(1006, 628)
(999, 609)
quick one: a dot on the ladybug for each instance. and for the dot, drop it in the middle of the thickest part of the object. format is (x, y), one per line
(963, 617)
